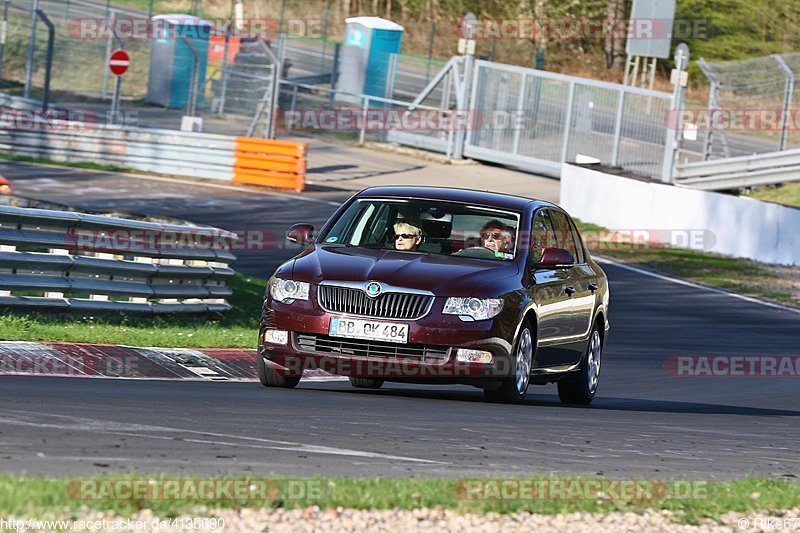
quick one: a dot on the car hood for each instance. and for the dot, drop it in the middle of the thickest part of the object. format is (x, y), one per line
(442, 275)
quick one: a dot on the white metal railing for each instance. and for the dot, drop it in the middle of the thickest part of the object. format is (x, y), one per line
(742, 171)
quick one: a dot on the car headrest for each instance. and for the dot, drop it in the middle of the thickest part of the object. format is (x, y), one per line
(437, 229)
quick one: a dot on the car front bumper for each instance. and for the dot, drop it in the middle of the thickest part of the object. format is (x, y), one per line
(429, 356)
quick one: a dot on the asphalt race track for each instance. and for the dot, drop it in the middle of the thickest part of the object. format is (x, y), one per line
(644, 421)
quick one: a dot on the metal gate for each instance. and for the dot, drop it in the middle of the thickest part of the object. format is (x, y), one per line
(537, 120)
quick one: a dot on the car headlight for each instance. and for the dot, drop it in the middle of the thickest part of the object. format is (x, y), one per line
(475, 308)
(286, 290)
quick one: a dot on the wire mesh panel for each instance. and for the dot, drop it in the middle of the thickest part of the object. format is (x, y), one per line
(591, 132)
(496, 106)
(747, 101)
(643, 130)
(86, 33)
(792, 61)
(244, 83)
(544, 112)
(83, 41)
(537, 119)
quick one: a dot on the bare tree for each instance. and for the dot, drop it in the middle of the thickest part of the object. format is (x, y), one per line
(614, 48)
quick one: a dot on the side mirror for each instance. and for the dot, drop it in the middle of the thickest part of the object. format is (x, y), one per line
(556, 258)
(301, 234)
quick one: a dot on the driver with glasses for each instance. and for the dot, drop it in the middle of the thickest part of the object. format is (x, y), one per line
(497, 237)
(407, 236)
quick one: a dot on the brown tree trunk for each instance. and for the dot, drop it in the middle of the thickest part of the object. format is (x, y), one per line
(540, 13)
(615, 38)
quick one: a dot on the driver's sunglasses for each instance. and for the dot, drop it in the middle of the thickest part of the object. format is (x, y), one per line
(492, 235)
(404, 236)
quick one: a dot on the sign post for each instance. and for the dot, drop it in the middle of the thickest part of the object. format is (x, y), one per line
(118, 64)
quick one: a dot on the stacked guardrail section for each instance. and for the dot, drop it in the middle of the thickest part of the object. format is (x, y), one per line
(60, 260)
(70, 136)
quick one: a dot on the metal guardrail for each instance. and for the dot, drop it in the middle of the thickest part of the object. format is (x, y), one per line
(171, 152)
(742, 171)
(71, 261)
(24, 131)
(19, 103)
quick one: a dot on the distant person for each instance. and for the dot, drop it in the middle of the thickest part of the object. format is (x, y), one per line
(407, 236)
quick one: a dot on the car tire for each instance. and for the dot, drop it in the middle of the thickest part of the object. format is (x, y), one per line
(581, 388)
(270, 378)
(366, 383)
(513, 388)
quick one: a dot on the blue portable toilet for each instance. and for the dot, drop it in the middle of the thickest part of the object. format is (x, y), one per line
(171, 59)
(366, 60)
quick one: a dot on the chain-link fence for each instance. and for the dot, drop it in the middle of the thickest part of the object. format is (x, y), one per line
(511, 115)
(234, 83)
(233, 76)
(750, 107)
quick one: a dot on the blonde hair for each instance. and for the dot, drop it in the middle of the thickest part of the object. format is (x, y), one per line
(405, 227)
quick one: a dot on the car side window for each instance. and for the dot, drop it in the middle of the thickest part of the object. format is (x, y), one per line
(543, 236)
(564, 235)
(581, 257)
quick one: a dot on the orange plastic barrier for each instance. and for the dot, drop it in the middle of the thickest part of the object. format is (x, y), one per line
(280, 164)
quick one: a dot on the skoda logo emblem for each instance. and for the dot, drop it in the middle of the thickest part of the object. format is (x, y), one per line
(373, 289)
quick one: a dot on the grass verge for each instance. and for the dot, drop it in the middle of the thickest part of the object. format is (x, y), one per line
(39, 497)
(770, 282)
(786, 194)
(238, 328)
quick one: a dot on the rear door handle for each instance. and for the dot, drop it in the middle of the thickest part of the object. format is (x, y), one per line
(570, 290)
(592, 287)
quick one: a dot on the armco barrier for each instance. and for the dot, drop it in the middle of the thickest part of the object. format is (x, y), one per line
(274, 163)
(69, 261)
(278, 164)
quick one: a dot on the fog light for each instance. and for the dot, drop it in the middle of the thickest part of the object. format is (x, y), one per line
(276, 336)
(473, 356)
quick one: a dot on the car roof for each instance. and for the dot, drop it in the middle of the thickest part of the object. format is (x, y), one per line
(471, 196)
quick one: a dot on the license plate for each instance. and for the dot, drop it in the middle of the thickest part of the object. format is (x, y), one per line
(369, 329)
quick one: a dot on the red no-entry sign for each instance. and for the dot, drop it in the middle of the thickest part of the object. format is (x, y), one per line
(119, 62)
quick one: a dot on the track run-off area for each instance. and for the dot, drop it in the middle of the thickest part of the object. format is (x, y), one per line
(646, 421)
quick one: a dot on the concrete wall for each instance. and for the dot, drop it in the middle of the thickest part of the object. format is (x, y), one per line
(725, 224)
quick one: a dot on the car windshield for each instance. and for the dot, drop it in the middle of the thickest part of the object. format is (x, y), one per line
(427, 227)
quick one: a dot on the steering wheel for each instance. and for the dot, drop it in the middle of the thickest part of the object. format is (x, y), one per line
(476, 251)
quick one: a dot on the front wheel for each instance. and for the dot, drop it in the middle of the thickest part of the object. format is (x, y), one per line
(269, 377)
(581, 388)
(513, 388)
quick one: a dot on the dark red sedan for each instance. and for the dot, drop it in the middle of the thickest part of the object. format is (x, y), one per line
(437, 285)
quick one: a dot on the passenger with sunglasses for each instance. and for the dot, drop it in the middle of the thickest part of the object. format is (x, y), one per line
(497, 237)
(407, 236)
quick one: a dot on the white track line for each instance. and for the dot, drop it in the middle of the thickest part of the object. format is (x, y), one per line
(686, 283)
(138, 430)
(180, 181)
